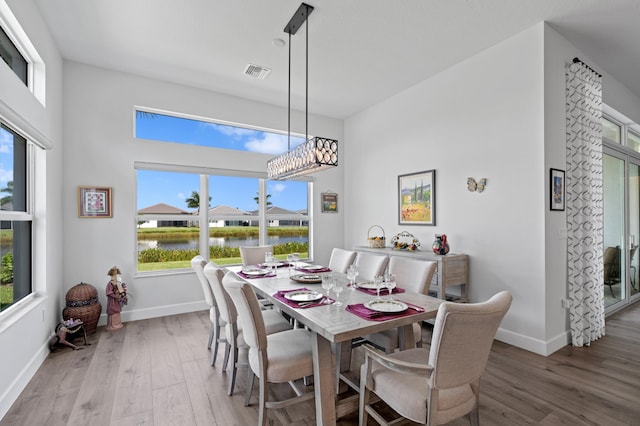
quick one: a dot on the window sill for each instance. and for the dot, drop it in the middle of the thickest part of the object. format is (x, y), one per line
(19, 310)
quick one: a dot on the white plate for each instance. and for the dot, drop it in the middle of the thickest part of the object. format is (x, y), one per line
(307, 278)
(276, 264)
(386, 305)
(303, 296)
(255, 272)
(370, 285)
(312, 267)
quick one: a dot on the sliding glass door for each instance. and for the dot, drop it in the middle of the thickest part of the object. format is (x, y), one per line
(621, 202)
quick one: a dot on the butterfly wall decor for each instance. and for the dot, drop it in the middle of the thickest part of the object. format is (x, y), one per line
(474, 186)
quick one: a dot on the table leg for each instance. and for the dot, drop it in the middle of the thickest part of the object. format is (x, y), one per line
(343, 363)
(323, 382)
(405, 337)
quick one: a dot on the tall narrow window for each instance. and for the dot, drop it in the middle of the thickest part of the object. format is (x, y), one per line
(15, 219)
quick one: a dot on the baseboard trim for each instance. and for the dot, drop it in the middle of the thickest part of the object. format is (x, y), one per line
(540, 347)
(157, 311)
(20, 383)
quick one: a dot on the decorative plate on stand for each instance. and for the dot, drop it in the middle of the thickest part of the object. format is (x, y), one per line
(405, 241)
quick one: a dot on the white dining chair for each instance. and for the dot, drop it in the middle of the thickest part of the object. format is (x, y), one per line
(198, 263)
(341, 259)
(414, 276)
(236, 350)
(253, 255)
(438, 385)
(371, 265)
(275, 358)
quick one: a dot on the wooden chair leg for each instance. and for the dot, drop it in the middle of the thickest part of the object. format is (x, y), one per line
(250, 378)
(227, 352)
(234, 370)
(365, 394)
(212, 332)
(262, 405)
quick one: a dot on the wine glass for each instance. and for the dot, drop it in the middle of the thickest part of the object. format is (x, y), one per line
(390, 283)
(327, 284)
(352, 274)
(337, 289)
(296, 258)
(377, 283)
(290, 262)
(268, 260)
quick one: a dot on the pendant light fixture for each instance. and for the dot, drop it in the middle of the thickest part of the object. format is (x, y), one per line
(316, 153)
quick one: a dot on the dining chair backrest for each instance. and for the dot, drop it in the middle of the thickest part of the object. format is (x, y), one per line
(248, 307)
(198, 263)
(371, 265)
(252, 255)
(214, 276)
(341, 259)
(413, 275)
(462, 337)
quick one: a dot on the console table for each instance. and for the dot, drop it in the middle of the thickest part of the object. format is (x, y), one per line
(451, 270)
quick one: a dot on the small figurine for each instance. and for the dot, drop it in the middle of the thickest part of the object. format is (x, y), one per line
(116, 299)
(69, 328)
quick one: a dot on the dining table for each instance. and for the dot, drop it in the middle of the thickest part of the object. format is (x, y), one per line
(337, 326)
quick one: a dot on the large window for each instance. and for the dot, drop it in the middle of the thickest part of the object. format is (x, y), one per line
(171, 220)
(15, 218)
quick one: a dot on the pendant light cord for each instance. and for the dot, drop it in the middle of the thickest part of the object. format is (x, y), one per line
(306, 86)
(289, 101)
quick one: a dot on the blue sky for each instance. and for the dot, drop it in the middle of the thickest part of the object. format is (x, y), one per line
(173, 188)
(6, 159)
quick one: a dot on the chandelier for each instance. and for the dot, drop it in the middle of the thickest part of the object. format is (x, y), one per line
(316, 153)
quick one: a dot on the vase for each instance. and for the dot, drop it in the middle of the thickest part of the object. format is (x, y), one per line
(440, 245)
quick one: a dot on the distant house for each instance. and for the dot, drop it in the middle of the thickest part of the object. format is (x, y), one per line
(163, 209)
(278, 216)
(221, 216)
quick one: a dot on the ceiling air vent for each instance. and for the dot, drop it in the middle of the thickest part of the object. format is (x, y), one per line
(257, 71)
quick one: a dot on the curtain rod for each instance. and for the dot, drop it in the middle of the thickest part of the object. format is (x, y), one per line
(576, 59)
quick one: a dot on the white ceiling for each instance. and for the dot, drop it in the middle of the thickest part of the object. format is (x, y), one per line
(360, 51)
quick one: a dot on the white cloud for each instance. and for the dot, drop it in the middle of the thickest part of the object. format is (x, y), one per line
(277, 187)
(231, 131)
(269, 144)
(181, 196)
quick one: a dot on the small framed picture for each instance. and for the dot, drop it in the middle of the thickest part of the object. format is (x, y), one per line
(556, 189)
(94, 202)
(329, 202)
(417, 198)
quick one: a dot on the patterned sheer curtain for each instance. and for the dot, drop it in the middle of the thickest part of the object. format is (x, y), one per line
(584, 204)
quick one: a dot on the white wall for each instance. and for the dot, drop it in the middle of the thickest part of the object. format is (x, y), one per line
(101, 150)
(482, 118)
(24, 334)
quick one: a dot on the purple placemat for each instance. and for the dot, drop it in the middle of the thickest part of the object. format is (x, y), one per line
(313, 271)
(252, 277)
(383, 291)
(365, 313)
(322, 302)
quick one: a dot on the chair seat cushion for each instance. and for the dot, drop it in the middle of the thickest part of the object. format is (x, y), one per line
(388, 339)
(289, 355)
(274, 322)
(408, 394)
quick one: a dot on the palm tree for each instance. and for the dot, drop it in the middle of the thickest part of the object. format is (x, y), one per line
(257, 199)
(9, 190)
(193, 202)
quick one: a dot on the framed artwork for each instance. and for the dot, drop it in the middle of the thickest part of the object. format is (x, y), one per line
(556, 189)
(417, 198)
(329, 202)
(94, 202)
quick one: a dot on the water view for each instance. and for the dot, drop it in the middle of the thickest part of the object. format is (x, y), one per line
(193, 243)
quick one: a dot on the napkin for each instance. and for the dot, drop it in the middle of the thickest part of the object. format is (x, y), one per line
(365, 313)
(252, 277)
(321, 302)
